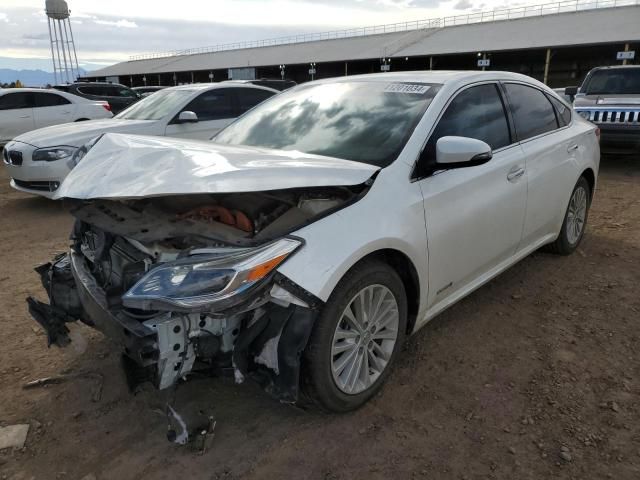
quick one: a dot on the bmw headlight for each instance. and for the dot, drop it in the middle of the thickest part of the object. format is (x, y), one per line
(203, 279)
(52, 154)
(82, 151)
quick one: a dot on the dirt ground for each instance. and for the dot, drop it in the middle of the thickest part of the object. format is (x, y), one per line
(534, 376)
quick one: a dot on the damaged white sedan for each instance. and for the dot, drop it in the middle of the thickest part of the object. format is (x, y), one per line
(318, 230)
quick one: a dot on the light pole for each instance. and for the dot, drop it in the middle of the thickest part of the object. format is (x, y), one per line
(385, 64)
(312, 70)
(144, 79)
(210, 77)
(282, 67)
(175, 79)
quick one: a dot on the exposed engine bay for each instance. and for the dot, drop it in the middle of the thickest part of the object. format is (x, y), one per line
(189, 283)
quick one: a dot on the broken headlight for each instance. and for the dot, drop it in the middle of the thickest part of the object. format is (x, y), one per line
(52, 154)
(204, 278)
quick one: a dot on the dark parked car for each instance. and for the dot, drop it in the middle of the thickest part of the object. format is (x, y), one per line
(274, 83)
(118, 96)
(148, 90)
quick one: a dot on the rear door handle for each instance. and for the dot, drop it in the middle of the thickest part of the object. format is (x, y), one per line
(515, 174)
(25, 116)
(573, 147)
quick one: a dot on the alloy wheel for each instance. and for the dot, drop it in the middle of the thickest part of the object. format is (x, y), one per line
(364, 339)
(576, 215)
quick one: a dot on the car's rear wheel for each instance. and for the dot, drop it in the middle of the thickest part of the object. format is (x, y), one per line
(575, 220)
(356, 338)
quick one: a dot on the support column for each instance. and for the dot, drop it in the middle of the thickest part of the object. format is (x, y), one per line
(626, 49)
(192, 78)
(547, 63)
(346, 69)
(430, 63)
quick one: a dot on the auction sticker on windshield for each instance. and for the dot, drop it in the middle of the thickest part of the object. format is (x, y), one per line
(407, 88)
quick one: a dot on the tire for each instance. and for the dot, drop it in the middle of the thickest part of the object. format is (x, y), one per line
(568, 241)
(322, 383)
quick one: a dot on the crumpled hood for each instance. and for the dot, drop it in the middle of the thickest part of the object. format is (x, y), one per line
(130, 166)
(77, 134)
(607, 100)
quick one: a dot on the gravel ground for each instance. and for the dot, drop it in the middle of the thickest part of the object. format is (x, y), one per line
(534, 376)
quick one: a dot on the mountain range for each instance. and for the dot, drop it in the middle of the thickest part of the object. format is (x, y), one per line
(29, 78)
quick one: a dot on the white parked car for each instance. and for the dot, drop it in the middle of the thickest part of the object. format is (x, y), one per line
(26, 109)
(320, 229)
(38, 161)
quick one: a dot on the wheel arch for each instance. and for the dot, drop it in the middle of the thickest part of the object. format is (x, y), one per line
(407, 272)
(590, 177)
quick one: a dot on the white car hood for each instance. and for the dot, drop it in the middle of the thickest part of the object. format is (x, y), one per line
(129, 166)
(77, 134)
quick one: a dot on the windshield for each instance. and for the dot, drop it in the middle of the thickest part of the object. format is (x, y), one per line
(621, 81)
(365, 121)
(156, 106)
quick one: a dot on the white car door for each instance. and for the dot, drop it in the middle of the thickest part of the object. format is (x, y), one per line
(52, 109)
(550, 150)
(215, 109)
(474, 215)
(16, 115)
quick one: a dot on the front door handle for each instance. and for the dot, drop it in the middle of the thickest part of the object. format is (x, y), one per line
(25, 116)
(515, 174)
(573, 147)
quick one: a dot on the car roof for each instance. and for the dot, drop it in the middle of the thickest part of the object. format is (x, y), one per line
(212, 86)
(30, 90)
(75, 84)
(435, 76)
(616, 67)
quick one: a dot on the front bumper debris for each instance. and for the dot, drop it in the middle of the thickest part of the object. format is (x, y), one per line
(265, 344)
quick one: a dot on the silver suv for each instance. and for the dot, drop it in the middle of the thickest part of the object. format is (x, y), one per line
(610, 98)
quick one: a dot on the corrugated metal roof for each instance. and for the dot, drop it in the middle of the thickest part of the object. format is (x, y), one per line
(608, 25)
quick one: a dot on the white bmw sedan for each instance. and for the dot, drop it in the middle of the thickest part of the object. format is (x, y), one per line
(38, 161)
(320, 229)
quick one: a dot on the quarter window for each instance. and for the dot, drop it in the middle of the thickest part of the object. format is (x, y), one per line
(13, 101)
(477, 112)
(564, 112)
(213, 105)
(49, 100)
(532, 111)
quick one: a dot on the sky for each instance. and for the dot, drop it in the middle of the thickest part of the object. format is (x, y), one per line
(111, 31)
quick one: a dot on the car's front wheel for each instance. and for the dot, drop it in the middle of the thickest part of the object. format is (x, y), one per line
(356, 338)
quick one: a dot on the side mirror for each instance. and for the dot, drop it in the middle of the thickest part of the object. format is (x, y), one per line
(460, 152)
(187, 117)
(571, 91)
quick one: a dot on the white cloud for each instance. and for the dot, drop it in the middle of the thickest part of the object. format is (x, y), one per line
(118, 23)
(4, 17)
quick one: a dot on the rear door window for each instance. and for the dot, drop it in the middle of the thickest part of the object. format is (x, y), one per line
(49, 100)
(213, 105)
(250, 97)
(13, 101)
(532, 111)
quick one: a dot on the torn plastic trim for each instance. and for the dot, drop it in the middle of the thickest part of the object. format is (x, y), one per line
(291, 327)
